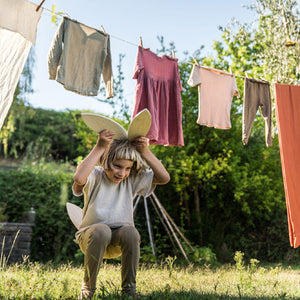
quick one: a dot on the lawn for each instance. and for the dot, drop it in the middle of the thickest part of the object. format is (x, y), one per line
(165, 281)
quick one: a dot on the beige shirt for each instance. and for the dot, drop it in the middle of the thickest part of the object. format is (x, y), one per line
(78, 56)
(106, 202)
(216, 89)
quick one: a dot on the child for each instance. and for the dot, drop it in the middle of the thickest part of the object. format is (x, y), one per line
(107, 227)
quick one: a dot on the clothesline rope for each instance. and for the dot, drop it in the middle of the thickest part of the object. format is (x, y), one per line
(136, 45)
(113, 36)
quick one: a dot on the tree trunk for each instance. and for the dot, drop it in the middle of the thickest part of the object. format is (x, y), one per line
(197, 211)
(187, 210)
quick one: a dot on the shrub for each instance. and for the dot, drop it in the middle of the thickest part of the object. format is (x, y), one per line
(46, 187)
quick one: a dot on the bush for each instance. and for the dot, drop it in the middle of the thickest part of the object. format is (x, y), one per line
(46, 187)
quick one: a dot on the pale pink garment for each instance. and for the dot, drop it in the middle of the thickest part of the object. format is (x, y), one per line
(216, 89)
(158, 89)
(288, 121)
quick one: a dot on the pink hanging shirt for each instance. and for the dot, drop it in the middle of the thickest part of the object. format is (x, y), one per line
(158, 89)
(215, 90)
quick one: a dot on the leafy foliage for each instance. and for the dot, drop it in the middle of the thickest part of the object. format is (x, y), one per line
(42, 186)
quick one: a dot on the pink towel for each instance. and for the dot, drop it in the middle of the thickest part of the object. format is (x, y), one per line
(288, 121)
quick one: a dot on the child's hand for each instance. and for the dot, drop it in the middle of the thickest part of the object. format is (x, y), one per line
(105, 137)
(141, 144)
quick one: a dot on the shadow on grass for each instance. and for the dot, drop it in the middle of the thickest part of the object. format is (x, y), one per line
(188, 296)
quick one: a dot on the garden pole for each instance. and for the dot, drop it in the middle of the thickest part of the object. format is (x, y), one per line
(173, 223)
(170, 226)
(149, 228)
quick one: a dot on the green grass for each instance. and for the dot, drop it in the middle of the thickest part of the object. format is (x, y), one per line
(165, 281)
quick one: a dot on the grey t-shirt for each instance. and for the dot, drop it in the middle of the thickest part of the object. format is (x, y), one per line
(106, 202)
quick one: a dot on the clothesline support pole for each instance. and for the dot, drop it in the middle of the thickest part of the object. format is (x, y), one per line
(164, 224)
(167, 222)
(149, 229)
(136, 203)
(170, 227)
(173, 223)
(148, 223)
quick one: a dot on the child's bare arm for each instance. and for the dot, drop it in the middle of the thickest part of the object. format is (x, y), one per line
(161, 175)
(105, 137)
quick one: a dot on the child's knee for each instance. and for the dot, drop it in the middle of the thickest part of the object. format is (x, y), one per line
(130, 235)
(100, 234)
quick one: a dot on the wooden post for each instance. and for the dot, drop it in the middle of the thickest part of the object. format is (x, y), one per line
(170, 226)
(149, 228)
(173, 223)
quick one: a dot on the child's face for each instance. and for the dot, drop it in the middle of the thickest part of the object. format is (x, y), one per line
(120, 170)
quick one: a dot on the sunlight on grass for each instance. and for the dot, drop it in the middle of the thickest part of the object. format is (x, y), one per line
(37, 281)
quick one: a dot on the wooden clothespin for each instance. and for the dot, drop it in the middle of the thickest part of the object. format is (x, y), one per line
(246, 74)
(141, 42)
(102, 28)
(230, 70)
(196, 62)
(39, 6)
(263, 78)
(173, 53)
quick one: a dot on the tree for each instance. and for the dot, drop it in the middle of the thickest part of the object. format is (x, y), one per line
(228, 193)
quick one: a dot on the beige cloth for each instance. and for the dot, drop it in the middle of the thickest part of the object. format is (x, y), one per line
(20, 16)
(18, 24)
(216, 89)
(78, 56)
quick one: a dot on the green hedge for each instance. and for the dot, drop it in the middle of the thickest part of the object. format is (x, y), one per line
(46, 189)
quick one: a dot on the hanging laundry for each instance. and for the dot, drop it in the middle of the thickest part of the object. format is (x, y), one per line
(287, 99)
(256, 95)
(18, 25)
(216, 89)
(78, 56)
(158, 89)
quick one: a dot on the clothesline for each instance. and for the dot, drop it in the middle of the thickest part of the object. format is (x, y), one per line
(137, 45)
(216, 87)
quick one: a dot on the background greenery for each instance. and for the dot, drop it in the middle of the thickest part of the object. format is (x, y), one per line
(224, 196)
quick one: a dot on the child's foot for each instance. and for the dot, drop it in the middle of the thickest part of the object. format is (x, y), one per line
(86, 293)
(131, 294)
(135, 295)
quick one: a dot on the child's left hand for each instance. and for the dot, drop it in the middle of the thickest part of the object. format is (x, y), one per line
(141, 144)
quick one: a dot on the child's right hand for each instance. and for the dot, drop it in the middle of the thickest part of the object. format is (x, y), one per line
(105, 137)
